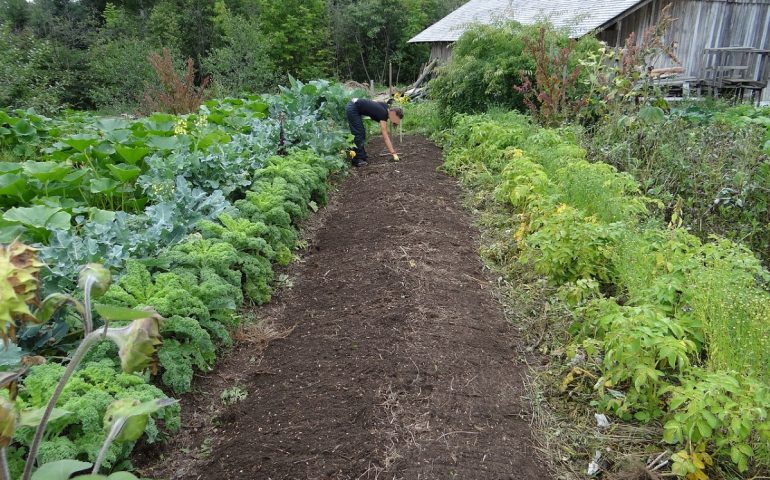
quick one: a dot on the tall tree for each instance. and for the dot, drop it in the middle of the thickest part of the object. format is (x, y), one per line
(241, 63)
(297, 35)
(370, 34)
(197, 27)
(164, 26)
(15, 13)
(96, 49)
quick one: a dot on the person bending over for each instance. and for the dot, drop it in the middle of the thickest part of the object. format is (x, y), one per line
(378, 111)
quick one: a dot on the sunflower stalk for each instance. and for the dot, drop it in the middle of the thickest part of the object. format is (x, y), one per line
(114, 432)
(5, 472)
(87, 315)
(89, 341)
(96, 278)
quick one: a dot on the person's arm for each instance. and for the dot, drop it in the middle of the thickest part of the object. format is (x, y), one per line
(386, 137)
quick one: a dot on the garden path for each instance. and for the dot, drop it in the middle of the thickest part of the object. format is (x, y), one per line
(400, 364)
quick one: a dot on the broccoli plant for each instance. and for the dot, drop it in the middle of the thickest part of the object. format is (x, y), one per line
(137, 344)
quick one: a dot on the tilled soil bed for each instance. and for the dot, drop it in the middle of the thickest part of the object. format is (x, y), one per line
(401, 364)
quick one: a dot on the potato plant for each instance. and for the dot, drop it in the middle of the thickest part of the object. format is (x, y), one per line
(674, 327)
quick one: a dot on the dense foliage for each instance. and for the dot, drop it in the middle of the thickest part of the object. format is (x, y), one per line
(100, 404)
(669, 328)
(120, 188)
(93, 54)
(488, 61)
(649, 220)
(710, 165)
(189, 212)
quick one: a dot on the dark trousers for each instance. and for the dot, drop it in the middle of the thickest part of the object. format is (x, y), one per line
(358, 130)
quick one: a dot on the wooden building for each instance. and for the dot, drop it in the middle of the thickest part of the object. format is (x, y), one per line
(714, 40)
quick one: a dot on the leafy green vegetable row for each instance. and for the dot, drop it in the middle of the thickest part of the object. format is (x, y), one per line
(181, 188)
(125, 419)
(205, 268)
(676, 330)
(109, 189)
(198, 286)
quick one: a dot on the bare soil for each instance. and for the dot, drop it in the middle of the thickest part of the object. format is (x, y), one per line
(401, 364)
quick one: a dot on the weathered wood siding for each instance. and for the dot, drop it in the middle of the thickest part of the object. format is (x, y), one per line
(701, 24)
(440, 50)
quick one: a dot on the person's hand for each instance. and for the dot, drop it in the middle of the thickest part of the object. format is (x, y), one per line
(395, 157)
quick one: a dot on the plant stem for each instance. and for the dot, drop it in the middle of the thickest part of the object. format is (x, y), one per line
(88, 342)
(87, 304)
(5, 472)
(114, 432)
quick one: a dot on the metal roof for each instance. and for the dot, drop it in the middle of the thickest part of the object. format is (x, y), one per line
(580, 16)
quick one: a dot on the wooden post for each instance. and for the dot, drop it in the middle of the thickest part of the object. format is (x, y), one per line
(371, 87)
(390, 79)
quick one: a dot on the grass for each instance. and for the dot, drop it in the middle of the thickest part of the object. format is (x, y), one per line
(422, 118)
(736, 323)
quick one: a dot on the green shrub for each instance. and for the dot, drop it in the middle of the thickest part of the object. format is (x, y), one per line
(567, 246)
(120, 73)
(297, 36)
(27, 78)
(282, 193)
(727, 411)
(525, 184)
(643, 349)
(242, 63)
(710, 171)
(164, 25)
(488, 61)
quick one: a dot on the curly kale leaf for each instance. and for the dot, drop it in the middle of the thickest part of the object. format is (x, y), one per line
(260, 208)
(200, 253)
(187, 331)
(222, 298)
(281, 194)
(267, 193)
(177, 366)
(303, 170)
(186, 346)
(166, 293)
(186, 297)
(259, 274)
(243, 234)
(256, 252)
(88, 394)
